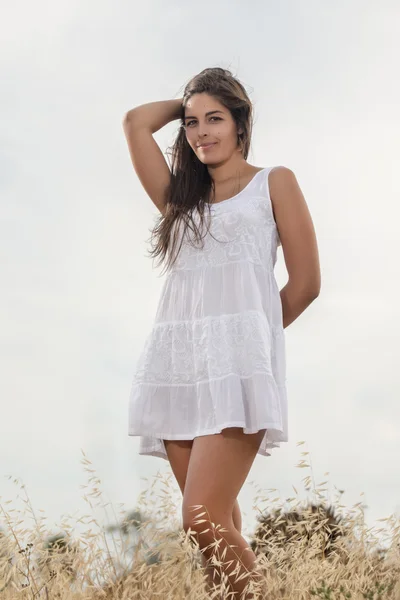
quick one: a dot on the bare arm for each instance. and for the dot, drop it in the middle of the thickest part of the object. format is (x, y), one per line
(149, 162)
(155, 115)
(299, 244)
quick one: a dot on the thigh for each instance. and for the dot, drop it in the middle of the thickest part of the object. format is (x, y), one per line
(178, 452)
(218, 467)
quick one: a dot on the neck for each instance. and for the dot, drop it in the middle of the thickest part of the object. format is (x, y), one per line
(231, 172)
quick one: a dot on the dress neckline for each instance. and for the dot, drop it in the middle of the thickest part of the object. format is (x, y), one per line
(239, 193)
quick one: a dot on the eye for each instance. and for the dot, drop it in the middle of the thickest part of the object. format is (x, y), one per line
(218, 119)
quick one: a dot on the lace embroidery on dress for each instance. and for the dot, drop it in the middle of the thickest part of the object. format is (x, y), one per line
(215, 357)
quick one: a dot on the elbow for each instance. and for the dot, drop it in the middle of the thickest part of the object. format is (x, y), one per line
(312, 292)
(308, 291)
(312, 287)
(128, 116)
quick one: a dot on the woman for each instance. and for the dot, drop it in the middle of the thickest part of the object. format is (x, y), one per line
(209, 391)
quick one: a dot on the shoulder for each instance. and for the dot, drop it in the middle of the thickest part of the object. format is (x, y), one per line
(280, 174)
(281, 181)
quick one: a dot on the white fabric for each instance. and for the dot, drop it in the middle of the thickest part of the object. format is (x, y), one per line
(215, 357)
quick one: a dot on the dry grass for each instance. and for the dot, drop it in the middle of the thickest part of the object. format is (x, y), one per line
(309, 550)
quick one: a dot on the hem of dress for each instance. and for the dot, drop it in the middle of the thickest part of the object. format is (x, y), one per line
(214, 430)
(150, 450)
(157, 454)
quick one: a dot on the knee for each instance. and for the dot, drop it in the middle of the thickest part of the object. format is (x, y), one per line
(195, 518)
(201, 520)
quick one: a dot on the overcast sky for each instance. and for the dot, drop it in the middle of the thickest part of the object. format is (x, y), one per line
(79, 293)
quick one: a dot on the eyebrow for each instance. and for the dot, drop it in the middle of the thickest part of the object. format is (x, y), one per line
(210, 112)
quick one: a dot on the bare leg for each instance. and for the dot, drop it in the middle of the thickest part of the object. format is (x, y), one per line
(212, 572)
(236, 556)
(179, 452)
(218, 467)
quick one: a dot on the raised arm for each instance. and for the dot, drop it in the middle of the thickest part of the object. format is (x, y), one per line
(150, 165)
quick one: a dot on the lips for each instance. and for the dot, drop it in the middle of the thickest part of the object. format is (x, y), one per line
(206, 145)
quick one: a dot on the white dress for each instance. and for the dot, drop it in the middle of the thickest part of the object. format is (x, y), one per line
(215, 356)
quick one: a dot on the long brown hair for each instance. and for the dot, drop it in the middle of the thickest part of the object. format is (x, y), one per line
(190, 181)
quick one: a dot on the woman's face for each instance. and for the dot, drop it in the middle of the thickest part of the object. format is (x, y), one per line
(218, 129)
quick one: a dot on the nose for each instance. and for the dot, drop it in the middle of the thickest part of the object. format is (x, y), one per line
(202, 132)
(203, 139)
